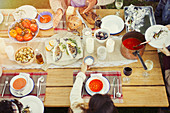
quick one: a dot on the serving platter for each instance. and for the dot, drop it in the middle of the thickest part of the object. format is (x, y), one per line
(161, 40)
(148, 19)
(65, 58)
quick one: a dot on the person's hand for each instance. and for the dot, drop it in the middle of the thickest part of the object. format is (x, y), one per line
(168, 26)
(84, 67)
(165, 51)
(90, 5)
(57, 17)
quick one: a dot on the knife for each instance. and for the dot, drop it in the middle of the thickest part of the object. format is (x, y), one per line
(78, 14)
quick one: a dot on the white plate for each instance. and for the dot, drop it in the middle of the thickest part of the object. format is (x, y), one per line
(158, 43)
(28, 11)
(113, 23)
(1, 17)
(45, 26)
(26, 91)
(34, 103)
(106, 84)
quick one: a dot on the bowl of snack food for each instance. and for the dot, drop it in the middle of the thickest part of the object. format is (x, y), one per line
(23, 30)
(101, 35)
(46, 21)
(24, 55)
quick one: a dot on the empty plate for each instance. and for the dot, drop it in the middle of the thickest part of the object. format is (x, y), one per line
(113, 23)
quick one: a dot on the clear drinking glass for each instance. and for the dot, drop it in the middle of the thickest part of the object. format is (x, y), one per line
(127, 71)
(90, 45)
(118, 4)
(101, 53)
(149, 65)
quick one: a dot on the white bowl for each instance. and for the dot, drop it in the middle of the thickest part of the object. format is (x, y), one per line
(104, 80)
(17, 77)
(102, 30)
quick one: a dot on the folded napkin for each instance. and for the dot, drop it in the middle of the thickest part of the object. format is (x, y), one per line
(33, 75)
(109, 75)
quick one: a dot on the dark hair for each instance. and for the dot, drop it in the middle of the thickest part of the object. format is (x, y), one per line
(101, 104)
(6, 106)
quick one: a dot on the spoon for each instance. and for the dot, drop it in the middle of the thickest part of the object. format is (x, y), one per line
(41, 79)
(6, 24)
(6, 82)
(118, 94)
(142, 43)
(114, 88)
(40, 15)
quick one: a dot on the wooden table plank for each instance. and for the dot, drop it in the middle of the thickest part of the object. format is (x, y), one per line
(132, 96)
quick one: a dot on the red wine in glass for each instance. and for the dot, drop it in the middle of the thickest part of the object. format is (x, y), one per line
(127, 71)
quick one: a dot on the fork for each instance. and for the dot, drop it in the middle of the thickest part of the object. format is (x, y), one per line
(6, 82)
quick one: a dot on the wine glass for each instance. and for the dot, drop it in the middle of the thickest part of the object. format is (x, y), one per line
(127, 71)
(118, 4)
(149, 65)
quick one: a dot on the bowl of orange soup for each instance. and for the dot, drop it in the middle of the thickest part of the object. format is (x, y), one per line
(46, 22)
(19, 82)
(96, 83)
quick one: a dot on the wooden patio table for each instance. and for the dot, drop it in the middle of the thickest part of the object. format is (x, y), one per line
(140, 92)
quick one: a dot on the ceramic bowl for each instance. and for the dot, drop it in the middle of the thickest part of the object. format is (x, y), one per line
(45, 26)
(25, 50)
(13, 25)
(99, 33)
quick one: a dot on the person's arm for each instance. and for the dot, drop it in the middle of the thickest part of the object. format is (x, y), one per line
(159, 11)
(75, 95)
(92, 3)
(58, 7)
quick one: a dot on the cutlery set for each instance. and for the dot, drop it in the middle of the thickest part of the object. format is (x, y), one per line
(118, 93)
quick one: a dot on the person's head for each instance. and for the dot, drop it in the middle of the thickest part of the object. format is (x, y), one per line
(8, 106)
(101, 104)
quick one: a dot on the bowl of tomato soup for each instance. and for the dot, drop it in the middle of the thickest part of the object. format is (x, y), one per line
(45, 22)
(19, 82)
(97, 83)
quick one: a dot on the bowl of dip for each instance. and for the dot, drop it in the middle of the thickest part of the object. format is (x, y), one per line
(46, 22)
(89, 60)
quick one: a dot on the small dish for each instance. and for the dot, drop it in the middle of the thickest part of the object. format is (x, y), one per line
(102, 35)
(35, 104)
(1, 17)
(104, 80)
(48, 25)
(113, 23)
(26, 91)
(89, 60)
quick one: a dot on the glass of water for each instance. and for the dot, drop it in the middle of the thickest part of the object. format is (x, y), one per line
(118, 4)
(149, 65)
(101, 53)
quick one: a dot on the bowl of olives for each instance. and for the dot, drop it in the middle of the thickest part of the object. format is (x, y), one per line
(24, 55)
(101, 35)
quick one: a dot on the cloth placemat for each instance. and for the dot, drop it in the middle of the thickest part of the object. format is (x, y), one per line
(109, 75)
(34, 76)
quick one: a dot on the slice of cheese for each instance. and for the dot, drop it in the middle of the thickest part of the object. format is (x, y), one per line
(70, 10)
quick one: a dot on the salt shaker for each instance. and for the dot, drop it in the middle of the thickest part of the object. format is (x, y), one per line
(110, 45)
